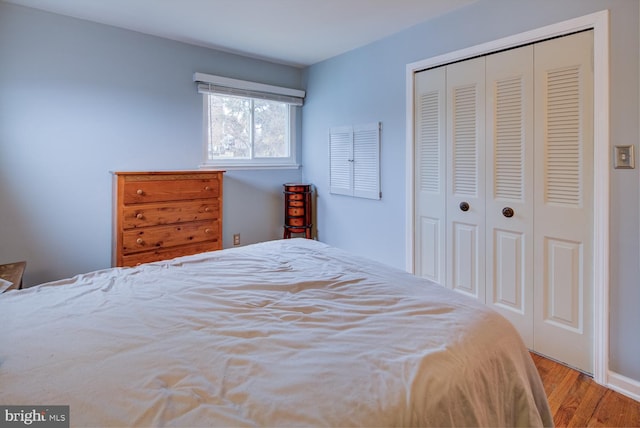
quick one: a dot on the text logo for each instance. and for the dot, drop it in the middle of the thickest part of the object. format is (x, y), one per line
(34, 416)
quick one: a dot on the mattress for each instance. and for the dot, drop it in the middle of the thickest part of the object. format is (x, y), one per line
(282, 333)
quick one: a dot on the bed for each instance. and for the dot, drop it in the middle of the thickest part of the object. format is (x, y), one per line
(282, 333)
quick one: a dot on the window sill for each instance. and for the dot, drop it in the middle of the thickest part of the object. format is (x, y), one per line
(237, 167)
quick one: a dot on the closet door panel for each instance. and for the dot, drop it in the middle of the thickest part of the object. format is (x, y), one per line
(464, 275)
(509, 189)
(508, 285)
(431, 248)
(564, 199)
(430, 150)
(465, 202)
(563, 263)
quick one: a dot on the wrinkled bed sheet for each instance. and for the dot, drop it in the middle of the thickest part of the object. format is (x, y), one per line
(282, 333)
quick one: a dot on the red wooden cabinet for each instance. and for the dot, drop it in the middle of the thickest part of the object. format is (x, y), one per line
(297, 209)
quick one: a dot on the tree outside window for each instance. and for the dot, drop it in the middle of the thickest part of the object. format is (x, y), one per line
(241, 128)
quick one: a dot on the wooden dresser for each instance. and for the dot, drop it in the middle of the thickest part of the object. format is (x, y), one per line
(161, 215)
(12, 272)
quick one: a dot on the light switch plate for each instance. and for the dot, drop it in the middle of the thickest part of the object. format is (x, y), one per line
(623, 157)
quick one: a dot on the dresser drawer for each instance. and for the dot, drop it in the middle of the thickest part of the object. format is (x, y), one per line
(297, 204)
(295, 212)
(296, 188)
(296, 221)
(138, 191)
(294, 196)
(144, 215)
(155, 255)
(148, 238)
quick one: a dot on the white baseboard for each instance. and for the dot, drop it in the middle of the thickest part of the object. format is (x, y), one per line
(624, 385)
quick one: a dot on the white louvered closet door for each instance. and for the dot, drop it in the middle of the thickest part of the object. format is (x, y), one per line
(430, 167)
(564, 199)
(465, 195)
(510, 184)
(518, 158)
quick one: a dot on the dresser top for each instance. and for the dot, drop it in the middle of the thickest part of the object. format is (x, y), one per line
(177, 172)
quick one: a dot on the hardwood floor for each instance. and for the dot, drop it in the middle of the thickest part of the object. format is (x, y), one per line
(577, 401)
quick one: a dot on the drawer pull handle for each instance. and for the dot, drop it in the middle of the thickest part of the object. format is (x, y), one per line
(140, 192)
(139, 241)
(207, 230)
(139, 216)
(207, 188)
(207, 209)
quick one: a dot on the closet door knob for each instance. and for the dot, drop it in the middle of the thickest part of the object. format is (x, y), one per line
(507, 212)
(464, 206)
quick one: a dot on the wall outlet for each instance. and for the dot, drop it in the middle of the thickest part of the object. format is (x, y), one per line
(624, 157)
(236, 239)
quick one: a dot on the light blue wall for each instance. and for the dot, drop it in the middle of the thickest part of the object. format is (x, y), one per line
(368, 84)
(78, 100)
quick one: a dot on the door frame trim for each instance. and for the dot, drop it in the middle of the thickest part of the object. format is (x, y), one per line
(599, 22)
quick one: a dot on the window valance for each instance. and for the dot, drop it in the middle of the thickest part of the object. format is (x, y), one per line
(211, 84)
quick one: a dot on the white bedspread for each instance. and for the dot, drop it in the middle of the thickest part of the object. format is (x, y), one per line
(283, 333)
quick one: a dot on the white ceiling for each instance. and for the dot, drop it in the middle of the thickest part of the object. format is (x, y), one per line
(295, 32)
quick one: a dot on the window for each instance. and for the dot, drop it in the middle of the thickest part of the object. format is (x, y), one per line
(247, 124)
(244, 128)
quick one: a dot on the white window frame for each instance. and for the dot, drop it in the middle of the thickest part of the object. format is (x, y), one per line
(218, 85)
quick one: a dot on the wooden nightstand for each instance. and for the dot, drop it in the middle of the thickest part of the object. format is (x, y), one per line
(297, 209)
(13, 272)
